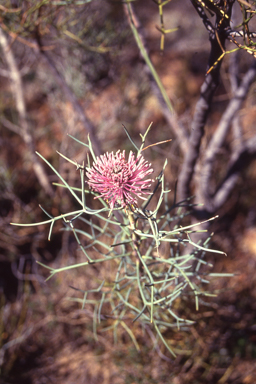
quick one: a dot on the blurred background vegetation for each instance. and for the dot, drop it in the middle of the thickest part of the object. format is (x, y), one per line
(74, 67)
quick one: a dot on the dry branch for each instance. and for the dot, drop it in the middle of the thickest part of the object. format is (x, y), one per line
(217, 37)
(218, 140)
(23, 130)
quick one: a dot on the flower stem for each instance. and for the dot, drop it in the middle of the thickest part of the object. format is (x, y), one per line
(135, 237)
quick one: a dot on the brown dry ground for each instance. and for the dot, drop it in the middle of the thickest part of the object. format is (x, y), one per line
(46, 338)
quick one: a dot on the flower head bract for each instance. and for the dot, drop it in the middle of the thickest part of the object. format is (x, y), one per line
(119, 181)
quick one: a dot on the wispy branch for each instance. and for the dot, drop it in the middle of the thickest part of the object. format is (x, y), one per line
(90, 128)
(155, 81)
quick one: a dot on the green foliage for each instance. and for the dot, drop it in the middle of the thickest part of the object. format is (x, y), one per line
(156, 262)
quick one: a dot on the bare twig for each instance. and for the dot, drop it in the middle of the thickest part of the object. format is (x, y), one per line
(24, 130)
(234, 82)
(241, 34)
(11, 126)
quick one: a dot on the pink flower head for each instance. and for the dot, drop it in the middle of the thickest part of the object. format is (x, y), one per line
(118, 180)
